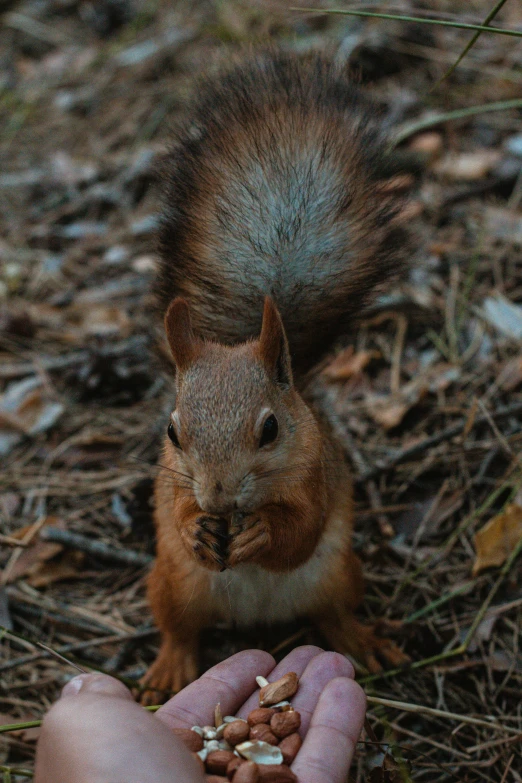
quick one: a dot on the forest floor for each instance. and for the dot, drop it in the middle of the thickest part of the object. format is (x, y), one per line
(426, 394)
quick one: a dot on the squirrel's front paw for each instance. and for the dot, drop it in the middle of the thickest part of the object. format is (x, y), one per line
(207, 539)
(249, 537)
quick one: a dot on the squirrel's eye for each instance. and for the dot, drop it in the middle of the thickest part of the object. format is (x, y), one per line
(270, 430)
(171, 432)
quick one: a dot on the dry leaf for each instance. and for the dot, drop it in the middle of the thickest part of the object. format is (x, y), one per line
(96, 320)
(498, 538)
(68, 566)
(468, 166)
(389, 410)
(511, 374)
(348, 363)
(37, 553)
(25, 409)
(504, 315)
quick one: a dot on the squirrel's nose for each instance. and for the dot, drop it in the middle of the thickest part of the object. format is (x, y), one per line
(215, 501)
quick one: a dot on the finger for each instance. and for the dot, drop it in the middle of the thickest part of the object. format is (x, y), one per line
(327, 751)
(296, 661)
(228, 683)
(321, 669)
(96, 683)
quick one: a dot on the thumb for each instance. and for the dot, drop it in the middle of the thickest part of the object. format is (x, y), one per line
(100, 684)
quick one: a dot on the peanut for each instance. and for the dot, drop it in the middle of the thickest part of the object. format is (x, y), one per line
(189, 738)
(289, 747)
(233, 765)
(281, 689)
(248, 772)
(260, 715)
(285, 723)
(262, 732)
(218, 761)
(236, 732)
(276, 773)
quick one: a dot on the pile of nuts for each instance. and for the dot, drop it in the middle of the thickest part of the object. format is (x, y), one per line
(256, 750)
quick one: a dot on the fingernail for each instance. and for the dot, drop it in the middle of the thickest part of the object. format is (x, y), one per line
(74, 686)
(96, 683)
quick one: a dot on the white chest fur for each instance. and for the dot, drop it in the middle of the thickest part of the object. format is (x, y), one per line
(249, 594)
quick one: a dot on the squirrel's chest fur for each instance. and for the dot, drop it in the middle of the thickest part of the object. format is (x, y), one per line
(249, 594)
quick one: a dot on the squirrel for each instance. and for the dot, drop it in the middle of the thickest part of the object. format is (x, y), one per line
(275, 233)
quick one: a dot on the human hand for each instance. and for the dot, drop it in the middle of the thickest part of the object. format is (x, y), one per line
(98, 734)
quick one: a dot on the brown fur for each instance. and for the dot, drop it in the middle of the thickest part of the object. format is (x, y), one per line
(281, 157)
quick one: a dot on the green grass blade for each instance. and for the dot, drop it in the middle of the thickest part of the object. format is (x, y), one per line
(401, 18)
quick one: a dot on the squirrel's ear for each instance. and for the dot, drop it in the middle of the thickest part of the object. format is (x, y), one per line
(273, 345)
(184, 345)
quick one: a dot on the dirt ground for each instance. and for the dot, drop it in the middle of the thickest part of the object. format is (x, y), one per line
(426, 395)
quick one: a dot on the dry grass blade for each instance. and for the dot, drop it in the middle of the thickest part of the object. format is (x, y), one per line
(421, 709)
(494, 11)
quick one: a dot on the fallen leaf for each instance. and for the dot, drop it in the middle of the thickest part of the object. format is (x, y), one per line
(96, 320)
(37, 553)
(510, 375)
(348, 363)
(498, 538)
(26, 409)
(504, 315)
(467, 166)
(389, 410)
(66, 567)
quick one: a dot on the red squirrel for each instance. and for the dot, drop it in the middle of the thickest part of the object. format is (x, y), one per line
(275, 234)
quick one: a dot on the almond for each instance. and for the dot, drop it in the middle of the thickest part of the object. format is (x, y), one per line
(289, 747)
(248, 772)
(218, 761)
(276, 773)
(263, 733)
(285, 723)
(190, 739)
(236, 732)
(260, 715)
(281, 689)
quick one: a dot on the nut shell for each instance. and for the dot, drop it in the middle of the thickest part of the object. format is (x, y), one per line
(263, 733)
(260, 715)
(190, 739)
(289, 747)
(281, 689)
(218, 761)
(285, 723)
(236, 732)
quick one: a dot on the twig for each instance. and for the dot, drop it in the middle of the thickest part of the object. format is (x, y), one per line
(419, 448)
(96, 548)
(10, 541)
(23, 660)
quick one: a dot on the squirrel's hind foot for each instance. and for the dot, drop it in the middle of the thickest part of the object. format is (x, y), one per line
(348, 635)
(175, 667)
